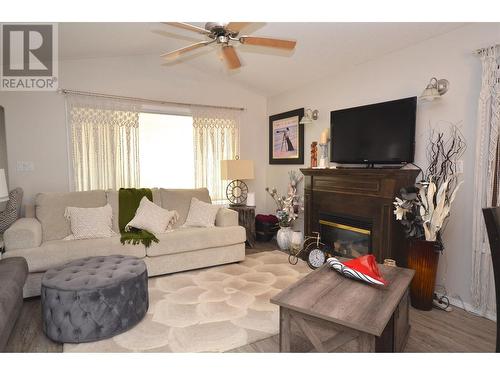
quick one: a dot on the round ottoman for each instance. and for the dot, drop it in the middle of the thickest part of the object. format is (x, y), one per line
(94, 298)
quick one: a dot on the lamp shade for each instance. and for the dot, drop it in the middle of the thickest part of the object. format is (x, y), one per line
(306, 120)
(236, 170)
(4, 191)
(430, 93)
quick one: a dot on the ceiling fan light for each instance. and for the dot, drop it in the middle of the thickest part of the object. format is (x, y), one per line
(223, 34)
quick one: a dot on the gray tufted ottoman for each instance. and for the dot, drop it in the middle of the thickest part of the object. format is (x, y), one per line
(94, 298)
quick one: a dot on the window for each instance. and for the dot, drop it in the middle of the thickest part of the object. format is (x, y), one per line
(166, 155)
(117, 144)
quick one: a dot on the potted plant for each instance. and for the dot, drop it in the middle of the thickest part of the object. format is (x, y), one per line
(423, 210)
(288, 207)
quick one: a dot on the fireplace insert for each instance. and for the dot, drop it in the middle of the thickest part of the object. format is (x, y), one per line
(345, 236)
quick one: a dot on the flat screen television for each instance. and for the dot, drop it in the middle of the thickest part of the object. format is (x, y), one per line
(381, 133)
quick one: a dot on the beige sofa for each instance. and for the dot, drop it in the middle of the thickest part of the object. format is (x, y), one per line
(40, 240)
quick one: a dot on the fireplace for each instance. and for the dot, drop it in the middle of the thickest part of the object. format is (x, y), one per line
(359, 199)
(345, 236)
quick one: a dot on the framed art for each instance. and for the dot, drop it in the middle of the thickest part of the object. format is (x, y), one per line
(286, 138)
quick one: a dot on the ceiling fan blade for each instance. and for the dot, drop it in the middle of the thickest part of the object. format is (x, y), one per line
(180, 51)
(232, 60)
(187, 26)
(237, 26)
(268, 42)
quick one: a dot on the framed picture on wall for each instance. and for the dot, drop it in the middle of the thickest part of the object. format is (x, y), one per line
(286, 138)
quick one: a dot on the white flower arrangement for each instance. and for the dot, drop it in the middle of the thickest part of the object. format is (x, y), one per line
(423, 209)
(434, 215)
(289, 205)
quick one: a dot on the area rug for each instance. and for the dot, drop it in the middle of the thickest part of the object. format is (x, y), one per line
(211, 310)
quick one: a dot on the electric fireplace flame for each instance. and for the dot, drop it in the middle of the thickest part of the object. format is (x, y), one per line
(345, 237)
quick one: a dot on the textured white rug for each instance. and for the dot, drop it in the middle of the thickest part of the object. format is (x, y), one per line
(210, 310)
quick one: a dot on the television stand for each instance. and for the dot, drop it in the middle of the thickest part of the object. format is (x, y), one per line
(369, 166)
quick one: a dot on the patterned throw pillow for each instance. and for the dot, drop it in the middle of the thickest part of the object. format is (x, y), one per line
(152, 218)
(12, 209)
(201, 214)
(90, 222)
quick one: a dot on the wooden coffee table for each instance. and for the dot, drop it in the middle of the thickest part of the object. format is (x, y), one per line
(376, 317)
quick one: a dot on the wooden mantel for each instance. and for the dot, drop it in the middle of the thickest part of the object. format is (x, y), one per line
(366, 193)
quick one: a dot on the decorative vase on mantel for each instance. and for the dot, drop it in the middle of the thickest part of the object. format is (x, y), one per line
(423, 257)
(284, 237)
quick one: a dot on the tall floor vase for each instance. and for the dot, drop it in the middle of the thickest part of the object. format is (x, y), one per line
(423, 257)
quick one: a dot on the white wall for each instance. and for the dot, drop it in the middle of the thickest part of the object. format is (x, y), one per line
(401, 74)
(35, 121)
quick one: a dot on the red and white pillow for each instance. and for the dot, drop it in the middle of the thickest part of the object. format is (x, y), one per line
(364, 268)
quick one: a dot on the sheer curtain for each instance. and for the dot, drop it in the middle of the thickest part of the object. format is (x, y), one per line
(216, 138)
(486, 173)
(104, 142)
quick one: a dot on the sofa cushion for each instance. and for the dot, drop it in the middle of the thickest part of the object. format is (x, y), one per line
(112, 198)
(189, 239)
(50, 209)
(88, 223)
(23, 234)
(152, 218)
(57, 252)
(226, 218)
(180, 201)
(201, 214)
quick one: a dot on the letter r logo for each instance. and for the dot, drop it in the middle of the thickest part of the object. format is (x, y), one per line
(27, 50)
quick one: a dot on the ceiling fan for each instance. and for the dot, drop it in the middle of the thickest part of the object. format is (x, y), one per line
(224, 35)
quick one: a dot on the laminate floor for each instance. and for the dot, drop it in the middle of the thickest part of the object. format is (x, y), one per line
(431, 331)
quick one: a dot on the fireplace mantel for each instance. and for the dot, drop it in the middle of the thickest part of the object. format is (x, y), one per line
(360, 193)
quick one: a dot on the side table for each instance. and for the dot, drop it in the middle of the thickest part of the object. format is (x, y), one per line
(246, 218)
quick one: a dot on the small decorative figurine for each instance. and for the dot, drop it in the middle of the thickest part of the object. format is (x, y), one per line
(323, 144)
(314, 154)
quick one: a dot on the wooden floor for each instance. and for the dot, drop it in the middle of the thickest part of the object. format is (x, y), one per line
(431, 331)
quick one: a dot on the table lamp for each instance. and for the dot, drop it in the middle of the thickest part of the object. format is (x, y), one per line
(4, 191)
(236, 171)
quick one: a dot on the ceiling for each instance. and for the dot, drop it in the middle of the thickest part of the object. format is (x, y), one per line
(322, 48)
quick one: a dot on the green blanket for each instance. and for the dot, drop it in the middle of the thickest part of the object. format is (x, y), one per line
(128, 201)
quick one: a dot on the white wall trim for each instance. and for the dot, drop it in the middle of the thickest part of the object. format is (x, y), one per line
(457, 302)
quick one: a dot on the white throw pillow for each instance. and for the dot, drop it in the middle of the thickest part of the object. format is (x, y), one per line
(90, 222)
(201, 214)
(152, 218)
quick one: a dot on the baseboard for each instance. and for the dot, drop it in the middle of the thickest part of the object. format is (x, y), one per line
(491, 315)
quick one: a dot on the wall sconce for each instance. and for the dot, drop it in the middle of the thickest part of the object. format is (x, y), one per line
(309, 116)
(435, 89)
